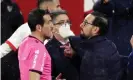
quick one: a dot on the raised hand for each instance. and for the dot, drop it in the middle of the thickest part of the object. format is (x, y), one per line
(68, 51)
(131, 41)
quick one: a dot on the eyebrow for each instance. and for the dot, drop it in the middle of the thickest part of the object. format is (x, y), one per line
(85, 21)
(61, 20)
(64, 20)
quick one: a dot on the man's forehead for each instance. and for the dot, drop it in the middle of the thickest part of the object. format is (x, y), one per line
(89, 17)
(62, 17)
(57, 2)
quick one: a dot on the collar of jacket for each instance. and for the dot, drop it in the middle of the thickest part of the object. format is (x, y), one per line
(55, 41)
(94, 39)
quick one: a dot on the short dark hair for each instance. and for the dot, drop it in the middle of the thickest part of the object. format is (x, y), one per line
(42, 1)
(100, 21)
(56, 13)
(36, 17)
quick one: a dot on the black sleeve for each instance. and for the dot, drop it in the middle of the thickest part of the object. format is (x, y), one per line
(75, 44)
(17, 18)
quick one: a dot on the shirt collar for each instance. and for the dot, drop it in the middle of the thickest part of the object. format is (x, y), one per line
(36, 39)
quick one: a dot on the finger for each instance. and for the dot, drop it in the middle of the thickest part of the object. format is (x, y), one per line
(67, 51)
(59, 76)
(64, 46)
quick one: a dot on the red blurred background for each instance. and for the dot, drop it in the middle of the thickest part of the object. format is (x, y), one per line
(75, 9)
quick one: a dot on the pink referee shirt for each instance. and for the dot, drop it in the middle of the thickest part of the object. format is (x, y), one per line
(33, 56)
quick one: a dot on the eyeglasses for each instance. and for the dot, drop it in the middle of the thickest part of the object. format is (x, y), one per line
(85, 23)
(63, 22)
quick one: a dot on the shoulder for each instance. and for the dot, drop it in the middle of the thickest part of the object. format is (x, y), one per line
(25, 26)
(108, 44)
(107, 47)
(24, 29)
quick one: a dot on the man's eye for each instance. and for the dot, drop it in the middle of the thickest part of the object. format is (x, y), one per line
(86, 23)
(61, 22)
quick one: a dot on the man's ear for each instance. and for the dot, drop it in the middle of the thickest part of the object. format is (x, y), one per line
(96, 30)
(38, 28)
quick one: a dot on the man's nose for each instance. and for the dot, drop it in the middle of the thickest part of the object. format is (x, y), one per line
(51, 26)
(59, 8)
(81, 25)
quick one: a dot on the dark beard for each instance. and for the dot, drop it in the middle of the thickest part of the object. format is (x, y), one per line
(82, 36)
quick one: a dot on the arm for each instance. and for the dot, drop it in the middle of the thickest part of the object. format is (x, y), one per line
(75, 42)
(17, 16)
(74, 48)
(34, 76)
(4, 49)
(22, 32)
(131, 41)
(37, 63)
(14, 41)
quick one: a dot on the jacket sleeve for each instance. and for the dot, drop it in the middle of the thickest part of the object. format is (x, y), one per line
(16, 17)
(17, 37)
(75, 44)
(104, 8)
(4, 49)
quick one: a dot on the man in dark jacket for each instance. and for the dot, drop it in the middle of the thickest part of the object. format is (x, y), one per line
(100, 58)
(60, 63)
(120, 14)
(11, 19)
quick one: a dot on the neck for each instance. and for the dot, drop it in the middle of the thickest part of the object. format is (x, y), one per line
(59, 38)
(93, 35)
(38, 36)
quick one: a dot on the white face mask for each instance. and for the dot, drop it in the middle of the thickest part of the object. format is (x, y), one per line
(65, 31)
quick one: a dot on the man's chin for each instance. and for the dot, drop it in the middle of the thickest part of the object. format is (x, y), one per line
(82, 36)
(47, 37)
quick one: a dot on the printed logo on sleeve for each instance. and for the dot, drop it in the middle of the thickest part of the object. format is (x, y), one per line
(35, 58)
(42, 66)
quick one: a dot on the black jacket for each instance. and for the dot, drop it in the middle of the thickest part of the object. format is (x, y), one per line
(120, 13)
(100, 58)
(11, 19)
(61, 64)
